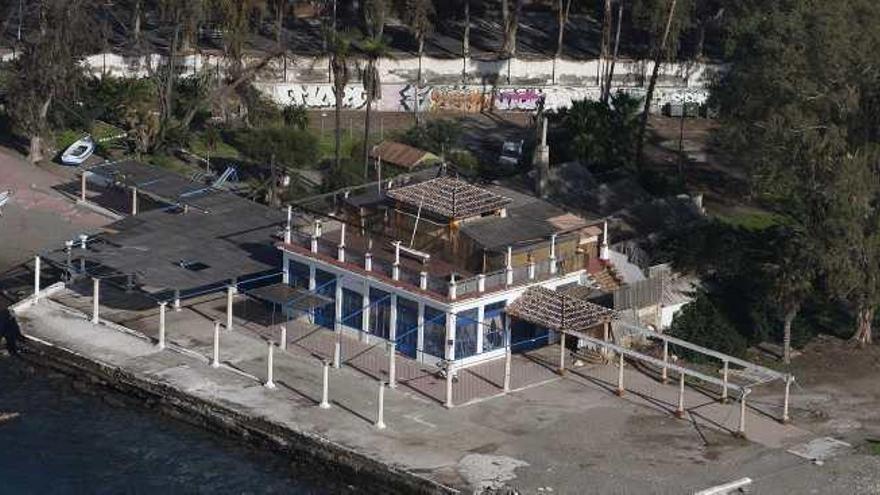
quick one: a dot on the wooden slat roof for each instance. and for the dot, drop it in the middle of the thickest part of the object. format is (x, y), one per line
(557, 311)
(449, 197)
(400, 154)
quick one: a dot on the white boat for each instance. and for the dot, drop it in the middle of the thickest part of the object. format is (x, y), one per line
(79, 151)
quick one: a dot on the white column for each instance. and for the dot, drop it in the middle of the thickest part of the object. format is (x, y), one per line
(680, 409)
(340, 255)
(604, 250)
(289, 226)
(269, 367)
(314, 244)
(161, 343)
(508, 357)
(283, 342)
(368, 262)
(96, 299)
(481, 282)
(531, 269)
(392, 348)
(325, 403)
(365, 314)
(36, 279)
(620, 364)
(285, 269)
(337, 307)
(724, 374)
(395, 269)
(553, 254)
(420, 342)
(215, 361)
(562, 353)
(453, 288)
(176, 299)
(741, 430)
(665, 372)
(449, 374)
(82, 186)
(230, 295)
(313, 283)
(509, 266)
(423, 280)
(481, 315)
(380, 416)
(450, 336)
(134, 201)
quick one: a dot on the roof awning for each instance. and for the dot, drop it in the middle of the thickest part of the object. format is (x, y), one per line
(557, 311)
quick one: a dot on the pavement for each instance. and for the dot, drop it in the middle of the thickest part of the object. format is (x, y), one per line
(567, 435)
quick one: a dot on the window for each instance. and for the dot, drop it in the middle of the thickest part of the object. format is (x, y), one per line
(352, 306)
(298, 274)
(435, 332)
(380, 313)
(493, 327)
(466, 326)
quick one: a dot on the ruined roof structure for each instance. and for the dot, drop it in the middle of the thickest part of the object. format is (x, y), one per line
(557, 311)
(450, 198)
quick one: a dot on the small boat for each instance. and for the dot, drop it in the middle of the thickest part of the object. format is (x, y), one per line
(79, 151)
(4, 417)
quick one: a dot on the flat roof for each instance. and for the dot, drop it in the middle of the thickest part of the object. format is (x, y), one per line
(221, 237)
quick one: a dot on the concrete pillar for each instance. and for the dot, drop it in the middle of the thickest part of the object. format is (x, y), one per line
(341, 249)
(230, 295)
(420, 333)
(313, 247)
(365, 314)
(449, 373)
(508, 357)
(423, 280)
(451, 320)
(679, 411)
(788, 380)
(553, 254)
(325, 403)
(282, 343)
(620, 364)
(562, 351)
(337, 306)
(509, 266)
(176, 299)
(134, 201)
(724, 374)
(605, 337)
(313, 281)
(605, 250)
(481, 315)
(96, 299)
(368, 262)
(289, 226)
(664, 376)
(453, 288)
(36, 279)
(481, 282)
(741, 430)
(215, 361)
(395, 268)
(270, 383)
(392, 364)
(531, 269)
(161, 343)
(380, 415)
(82, 186)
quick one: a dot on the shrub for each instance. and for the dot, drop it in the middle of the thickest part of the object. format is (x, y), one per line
(702, 323)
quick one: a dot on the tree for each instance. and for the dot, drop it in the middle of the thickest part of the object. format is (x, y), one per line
(48, 69)
(437, 136)
(373, 48)
(563, 8)
(417, 15)
(601, 135)
(702, 323)
(510, 25)
(340, 51)
(609, 73)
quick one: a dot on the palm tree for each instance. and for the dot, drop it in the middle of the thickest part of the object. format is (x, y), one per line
(563, 7)
(417, 15)
(340, 51)
(373, 48)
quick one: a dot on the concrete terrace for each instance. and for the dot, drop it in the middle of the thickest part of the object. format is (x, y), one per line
(571, 433)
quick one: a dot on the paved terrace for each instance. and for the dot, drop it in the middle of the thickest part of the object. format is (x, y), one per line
(571, 434)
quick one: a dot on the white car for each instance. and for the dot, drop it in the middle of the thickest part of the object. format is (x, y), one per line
(511, 153)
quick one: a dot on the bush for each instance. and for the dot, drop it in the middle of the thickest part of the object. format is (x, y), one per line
(437, 136)
(288, 147)
(702, 323)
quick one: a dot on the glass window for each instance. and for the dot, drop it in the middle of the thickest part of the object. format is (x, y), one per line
(298, 274)
(493, 327)
(466, 325)
(435, 332)
(352, 304)
(380, 313)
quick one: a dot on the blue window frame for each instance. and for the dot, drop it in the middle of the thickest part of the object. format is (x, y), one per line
(325, 285)
(407, 326)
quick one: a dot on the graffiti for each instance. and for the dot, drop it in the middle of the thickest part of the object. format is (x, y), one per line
(459, 99)
(519, 99)
(407, 97)
(321, 96)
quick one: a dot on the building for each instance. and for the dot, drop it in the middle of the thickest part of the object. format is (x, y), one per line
(446, 269)
(398, 158)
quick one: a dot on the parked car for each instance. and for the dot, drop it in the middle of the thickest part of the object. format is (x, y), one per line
(511, 153)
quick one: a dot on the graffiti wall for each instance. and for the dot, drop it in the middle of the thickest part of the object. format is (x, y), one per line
(461, 98)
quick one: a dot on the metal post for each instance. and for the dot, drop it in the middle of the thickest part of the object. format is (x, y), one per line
(449, 385)
(36, 279)
(679, 412)
(161, 344)
(230, 294)
(620, 388)
(665, 372)
(283, 342)
(325, 403)
(215, 361)
(380, 417)
(562, 353)
(96, 299)
(269, 367)
(788, 380)
(392, 369)
(724, 386)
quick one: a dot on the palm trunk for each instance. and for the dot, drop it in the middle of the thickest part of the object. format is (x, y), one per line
(337, 156)
(786, 333)
(658, 57)
(864, 318)
(367, 135)
(35, 148)
(419, 80)
(136, 28)
(466, 39)
(605, 45)
(614, 56)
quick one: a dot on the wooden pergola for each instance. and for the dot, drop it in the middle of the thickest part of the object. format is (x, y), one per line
(558, 311)
(449, 197)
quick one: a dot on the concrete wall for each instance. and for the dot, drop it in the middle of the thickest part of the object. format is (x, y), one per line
(456, 85)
